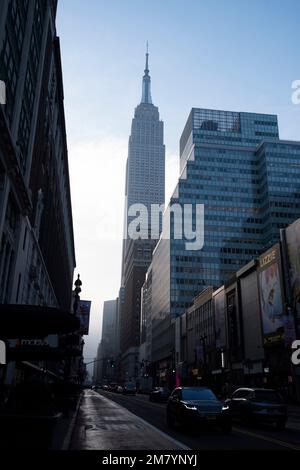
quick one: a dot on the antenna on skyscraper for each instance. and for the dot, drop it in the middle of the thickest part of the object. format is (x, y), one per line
(147, 57)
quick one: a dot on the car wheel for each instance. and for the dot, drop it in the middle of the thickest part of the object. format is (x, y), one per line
(280, 425)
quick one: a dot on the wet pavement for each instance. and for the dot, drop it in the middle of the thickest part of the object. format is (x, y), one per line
(242, 438)
(103, 424)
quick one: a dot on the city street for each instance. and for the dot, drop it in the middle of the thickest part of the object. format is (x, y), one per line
(124, 435)
(102, 424)
(149, 230)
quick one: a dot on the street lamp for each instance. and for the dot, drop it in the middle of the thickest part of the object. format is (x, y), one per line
(203, 339)
(77, 291)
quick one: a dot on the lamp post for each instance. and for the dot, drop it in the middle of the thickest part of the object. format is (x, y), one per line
(77, 291)
(203, 339)
(248, 364)
(76, 301)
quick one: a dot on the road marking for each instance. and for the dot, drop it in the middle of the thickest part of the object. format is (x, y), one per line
(150, 403)
(237, 430)
(267, 438)
(163, 434)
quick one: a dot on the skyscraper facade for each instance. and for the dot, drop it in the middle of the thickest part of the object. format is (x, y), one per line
(37, 256)
(37, 253)
(248, 181)
(145, 184)
(108, 349)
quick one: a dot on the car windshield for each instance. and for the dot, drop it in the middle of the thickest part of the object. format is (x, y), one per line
(198, 394)
(267, 395)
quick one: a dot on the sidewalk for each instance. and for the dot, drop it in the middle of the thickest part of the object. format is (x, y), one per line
(103, 424)
(63, 431)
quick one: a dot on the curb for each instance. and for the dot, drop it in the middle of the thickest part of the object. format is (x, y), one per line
(67, 439)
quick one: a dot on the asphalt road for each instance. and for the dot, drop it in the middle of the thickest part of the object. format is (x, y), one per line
(242, 437)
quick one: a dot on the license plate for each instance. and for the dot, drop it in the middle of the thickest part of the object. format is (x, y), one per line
(213, 417)
(208, 416)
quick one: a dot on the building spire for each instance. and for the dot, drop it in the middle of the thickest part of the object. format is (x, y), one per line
(146, 97)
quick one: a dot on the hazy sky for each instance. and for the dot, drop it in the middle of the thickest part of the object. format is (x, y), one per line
(237, 55)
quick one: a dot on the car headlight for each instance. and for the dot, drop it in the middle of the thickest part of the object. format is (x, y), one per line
(225, 408)
(190, 407)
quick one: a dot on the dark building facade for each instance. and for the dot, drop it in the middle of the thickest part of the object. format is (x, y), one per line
(37, 255)
(36, 229)
(241, 334)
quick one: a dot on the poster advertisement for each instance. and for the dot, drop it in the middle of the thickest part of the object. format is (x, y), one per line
(293, 247)
(271, 297)
(83, 312)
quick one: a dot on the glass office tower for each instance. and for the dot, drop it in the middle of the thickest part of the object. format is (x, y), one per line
(248, 181)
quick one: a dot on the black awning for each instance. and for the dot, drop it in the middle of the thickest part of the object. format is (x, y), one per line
(27, 321)
(27, 353)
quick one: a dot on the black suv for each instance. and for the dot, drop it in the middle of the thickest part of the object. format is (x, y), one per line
(258, 405)
(197, 405)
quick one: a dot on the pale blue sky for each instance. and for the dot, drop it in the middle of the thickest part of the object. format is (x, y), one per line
(235, 54)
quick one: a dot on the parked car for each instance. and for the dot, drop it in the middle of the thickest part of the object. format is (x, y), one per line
(105, 388)
(113, 387)
(119, 389)
(129, 389)
(159, 394)
(258, 405)
(197, 405)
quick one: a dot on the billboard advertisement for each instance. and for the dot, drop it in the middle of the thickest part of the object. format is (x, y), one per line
(292, 236)
(270, 292)
(83, 312)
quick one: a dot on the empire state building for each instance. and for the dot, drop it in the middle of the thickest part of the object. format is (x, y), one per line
(145, 184)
